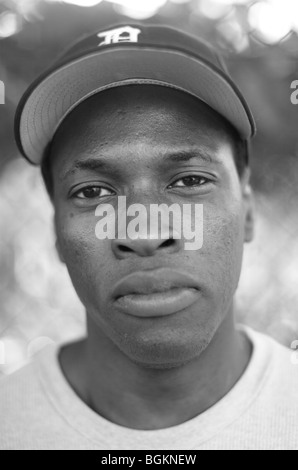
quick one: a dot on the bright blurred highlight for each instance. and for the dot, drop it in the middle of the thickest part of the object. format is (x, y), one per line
(214, 9)
(272, 20)
(83, 3)
(180, 2)
(137, 9)
(10, 24)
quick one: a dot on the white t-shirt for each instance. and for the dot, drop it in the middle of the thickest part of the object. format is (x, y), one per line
(40, 411)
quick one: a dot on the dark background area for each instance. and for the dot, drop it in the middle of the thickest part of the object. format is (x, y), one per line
(260, 43)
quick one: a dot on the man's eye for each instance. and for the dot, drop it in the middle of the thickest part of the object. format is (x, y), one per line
(93, 192)
(190, 182)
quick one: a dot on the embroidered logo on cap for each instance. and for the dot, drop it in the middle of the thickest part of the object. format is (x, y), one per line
(125, 34)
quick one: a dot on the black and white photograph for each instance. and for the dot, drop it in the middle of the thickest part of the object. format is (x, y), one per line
(148, 227)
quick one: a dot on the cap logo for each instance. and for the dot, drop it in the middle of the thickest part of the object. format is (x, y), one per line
(115, 36)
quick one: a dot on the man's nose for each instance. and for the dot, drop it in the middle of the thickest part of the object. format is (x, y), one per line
(144, 247)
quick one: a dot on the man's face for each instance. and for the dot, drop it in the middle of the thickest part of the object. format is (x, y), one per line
(155, 146)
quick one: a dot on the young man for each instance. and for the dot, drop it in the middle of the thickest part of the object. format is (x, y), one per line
(150, 114)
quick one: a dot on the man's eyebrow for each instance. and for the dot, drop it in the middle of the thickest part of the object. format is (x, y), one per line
(91, 164)
(103, 164)
(187, 155)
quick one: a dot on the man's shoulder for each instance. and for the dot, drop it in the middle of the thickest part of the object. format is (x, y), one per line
(15, 389)
(268, 394)
(24, 393)
(283, 359)
(17, 377)
(286, 368)
(29, 409)
(280, 377)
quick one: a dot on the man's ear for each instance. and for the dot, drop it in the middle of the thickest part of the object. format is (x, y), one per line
(248, 206)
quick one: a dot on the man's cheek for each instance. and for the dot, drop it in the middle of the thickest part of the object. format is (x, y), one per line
(80, 247)
(223, 245)
(87, 262)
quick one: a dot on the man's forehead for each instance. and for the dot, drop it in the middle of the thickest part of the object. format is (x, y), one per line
(140, 113)
(143, 99)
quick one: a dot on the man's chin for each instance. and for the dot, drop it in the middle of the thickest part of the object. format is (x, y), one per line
(164, 353)
(158, 343)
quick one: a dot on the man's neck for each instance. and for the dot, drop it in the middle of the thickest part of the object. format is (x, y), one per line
(137, 397)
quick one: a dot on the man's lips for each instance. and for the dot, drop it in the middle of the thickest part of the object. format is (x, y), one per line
(155, 293)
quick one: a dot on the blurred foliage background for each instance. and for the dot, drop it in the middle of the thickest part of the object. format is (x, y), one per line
(260, 42)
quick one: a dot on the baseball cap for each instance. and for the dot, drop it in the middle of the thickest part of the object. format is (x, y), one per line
(123, 55)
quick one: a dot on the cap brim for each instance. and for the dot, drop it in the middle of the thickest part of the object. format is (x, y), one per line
(50, 100)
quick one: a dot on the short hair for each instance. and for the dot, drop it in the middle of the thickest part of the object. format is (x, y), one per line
(240, 153)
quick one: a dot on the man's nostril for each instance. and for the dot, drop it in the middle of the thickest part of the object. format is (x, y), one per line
(167, 243)
(125, 249)
(144, 247)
